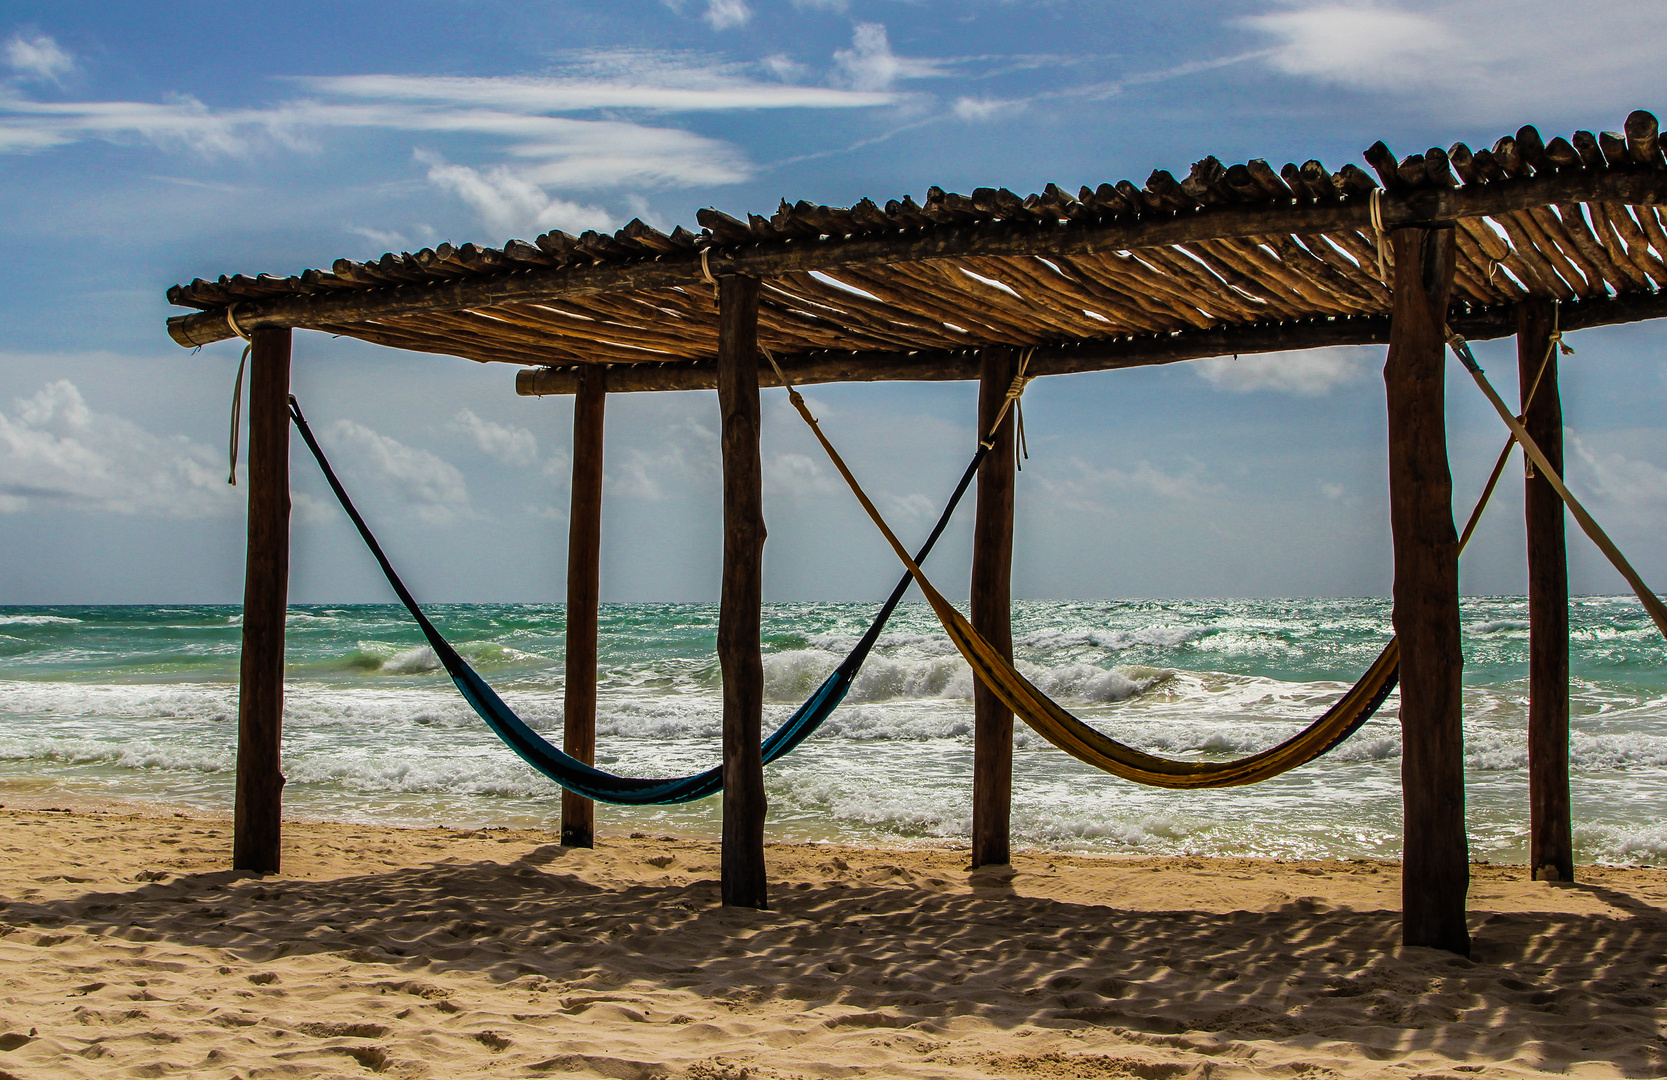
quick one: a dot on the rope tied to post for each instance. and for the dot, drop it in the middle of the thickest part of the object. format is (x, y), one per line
(1376, 206)
(237, 389)
(1014, 401)
(706, 272)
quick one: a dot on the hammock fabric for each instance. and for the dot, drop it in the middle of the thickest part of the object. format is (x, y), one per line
(1051, 721)
(569, 771)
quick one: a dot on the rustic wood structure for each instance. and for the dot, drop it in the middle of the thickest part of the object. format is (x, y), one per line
(1231, 259)
(584, 594)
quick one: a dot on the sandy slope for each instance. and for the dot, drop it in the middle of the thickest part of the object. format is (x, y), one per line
(126, 951)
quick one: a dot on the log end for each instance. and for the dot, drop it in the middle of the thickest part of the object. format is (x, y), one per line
(199, 328)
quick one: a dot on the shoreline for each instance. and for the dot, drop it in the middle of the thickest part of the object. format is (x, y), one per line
(127, 945)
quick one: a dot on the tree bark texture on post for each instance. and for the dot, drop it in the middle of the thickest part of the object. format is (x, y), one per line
(739, 650)
(584, 584)
(1435, 873)
(1550, 829)
(258, 804)
(991, 604)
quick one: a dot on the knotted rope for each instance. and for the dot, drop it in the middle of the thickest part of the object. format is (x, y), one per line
(237, 390)
(1015, 394)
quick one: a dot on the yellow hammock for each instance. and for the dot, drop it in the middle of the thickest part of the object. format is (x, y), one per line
(1049, 720)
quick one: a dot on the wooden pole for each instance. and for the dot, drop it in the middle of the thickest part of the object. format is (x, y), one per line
(1550, 829)
(1435, 871)
(992, 572)
(258, 804)
(584, 584)
(739, 652)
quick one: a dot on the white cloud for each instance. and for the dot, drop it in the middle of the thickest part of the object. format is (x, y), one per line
(983, 108)
(727, 14)
(1307, 373)
(58, 452)
(508, 201)
(1357, 44)
(544, 156)
(1629, 482)
(430, 487)
(1478, 60)
(869, 64)
(38, 57)
(1082, 486)
(509, 444)
(796, 476)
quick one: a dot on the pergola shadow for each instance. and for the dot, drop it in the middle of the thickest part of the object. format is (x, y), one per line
(1543, 987)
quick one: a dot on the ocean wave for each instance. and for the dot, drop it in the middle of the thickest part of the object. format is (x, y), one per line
(1625, 844)
(37, 620)
(1495, 626)
(137, 755)
(494, 774)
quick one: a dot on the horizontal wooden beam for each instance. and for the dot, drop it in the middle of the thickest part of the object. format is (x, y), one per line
(973, 239)
(950, 366)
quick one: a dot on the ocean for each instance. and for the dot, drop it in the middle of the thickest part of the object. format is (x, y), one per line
(139, 705)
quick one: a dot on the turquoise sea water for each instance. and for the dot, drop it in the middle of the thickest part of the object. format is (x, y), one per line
(139, 703)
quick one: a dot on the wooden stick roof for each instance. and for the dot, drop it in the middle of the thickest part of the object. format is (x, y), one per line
(1231, 259)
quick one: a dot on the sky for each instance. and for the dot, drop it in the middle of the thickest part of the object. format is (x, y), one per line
(140, 147)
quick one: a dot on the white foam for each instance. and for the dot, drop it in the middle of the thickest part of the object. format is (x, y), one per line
(36, 620)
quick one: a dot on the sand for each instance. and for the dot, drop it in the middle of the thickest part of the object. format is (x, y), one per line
(126, 950)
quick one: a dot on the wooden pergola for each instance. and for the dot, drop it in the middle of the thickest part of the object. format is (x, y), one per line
(1230, 260)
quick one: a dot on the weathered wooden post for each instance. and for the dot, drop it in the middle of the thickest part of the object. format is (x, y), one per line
(739, 650)
(258, 805)
(1435, 874)
(992, 572)
(584, 584)
(1550, 829)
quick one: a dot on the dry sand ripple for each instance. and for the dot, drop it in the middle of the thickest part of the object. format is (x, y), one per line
(125, 951)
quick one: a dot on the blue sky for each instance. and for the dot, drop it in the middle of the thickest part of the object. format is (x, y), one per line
(139, 149)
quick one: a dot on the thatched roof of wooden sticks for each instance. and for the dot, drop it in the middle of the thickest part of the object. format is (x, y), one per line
(1231, 259)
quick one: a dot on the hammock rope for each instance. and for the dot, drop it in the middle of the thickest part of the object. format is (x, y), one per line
(569, 771)
(1084, 742)
(1531, 449)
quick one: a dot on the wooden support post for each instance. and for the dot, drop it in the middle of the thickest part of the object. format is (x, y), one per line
(1435, 863)
(739, 652)
(258, 805)
(584, 585)
(1550, 830)
(992, 573)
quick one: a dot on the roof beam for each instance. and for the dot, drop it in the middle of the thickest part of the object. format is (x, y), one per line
(806, 369)
(985, 238)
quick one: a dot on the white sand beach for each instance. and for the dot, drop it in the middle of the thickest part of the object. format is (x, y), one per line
(127, 949)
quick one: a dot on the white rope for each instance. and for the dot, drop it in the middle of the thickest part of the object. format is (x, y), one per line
(1015, 392)
(1376, 205)
(706, 272)
(237, 390)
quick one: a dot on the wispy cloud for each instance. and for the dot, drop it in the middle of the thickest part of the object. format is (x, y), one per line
(429, 487)
(38, 57)
(545, 154)
(1309, 373)
(56, 451)
(508, 443)
(870, 65)
(727, 14)
(1477, 60)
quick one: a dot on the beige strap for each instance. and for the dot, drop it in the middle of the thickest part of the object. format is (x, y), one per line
(1652, 603)
(231, 321)
(706, 272)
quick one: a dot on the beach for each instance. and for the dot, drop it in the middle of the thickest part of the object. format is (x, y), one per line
(128, 949)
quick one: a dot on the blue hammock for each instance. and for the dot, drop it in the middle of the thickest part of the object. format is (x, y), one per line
(569, 771)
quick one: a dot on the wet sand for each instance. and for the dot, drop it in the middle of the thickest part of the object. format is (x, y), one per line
(126, 949)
